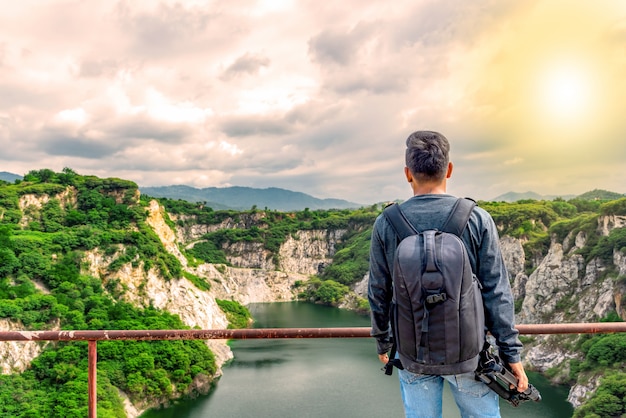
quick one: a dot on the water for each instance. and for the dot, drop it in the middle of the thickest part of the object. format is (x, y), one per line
(322, 377)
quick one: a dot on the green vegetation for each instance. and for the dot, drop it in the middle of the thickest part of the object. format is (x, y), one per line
(351, 261)
(327, 292)
(238, 315)
(45, 244)
(605, 355)
(602, 195)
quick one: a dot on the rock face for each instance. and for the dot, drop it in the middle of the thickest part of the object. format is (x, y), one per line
(31, 204)
(251, 285)
(513, 254)
(166, 235)
(192, 231)
(565, 288)
(309, 251)
(16, 356)
(255, 278)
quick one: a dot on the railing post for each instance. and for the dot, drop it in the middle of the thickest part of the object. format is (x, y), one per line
(92, 378)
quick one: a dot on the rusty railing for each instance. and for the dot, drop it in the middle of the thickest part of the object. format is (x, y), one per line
(92, 337)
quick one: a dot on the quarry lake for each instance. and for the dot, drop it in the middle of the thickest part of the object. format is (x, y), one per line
(322, 377)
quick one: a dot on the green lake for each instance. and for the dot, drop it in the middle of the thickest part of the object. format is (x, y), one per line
(322, 377)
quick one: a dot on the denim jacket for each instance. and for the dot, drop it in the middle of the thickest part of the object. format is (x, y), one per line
(430, 211)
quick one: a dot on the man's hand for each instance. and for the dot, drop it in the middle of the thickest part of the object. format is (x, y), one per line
(384, 358)
(522, 379)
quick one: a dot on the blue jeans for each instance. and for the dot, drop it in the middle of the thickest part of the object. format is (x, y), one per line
(422, 395)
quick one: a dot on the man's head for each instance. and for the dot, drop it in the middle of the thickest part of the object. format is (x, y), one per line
(427, 156)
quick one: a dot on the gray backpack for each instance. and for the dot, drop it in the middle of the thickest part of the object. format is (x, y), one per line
(437, 316)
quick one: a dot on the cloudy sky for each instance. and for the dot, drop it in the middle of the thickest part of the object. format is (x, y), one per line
(317, 96)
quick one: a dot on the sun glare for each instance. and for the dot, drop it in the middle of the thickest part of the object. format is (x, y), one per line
(566, 93)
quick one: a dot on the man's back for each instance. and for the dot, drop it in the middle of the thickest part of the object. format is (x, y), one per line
(430, 211)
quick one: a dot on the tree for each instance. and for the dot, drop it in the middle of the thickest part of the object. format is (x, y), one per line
(331, 292)
(8, 262)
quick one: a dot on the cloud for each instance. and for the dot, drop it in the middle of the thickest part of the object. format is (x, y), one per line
(166, 30)
(246, 64)
(378, 83)
(97, 68)
(440, 23)
(242, 126)
(309, 97)
(334, 47)
(77, 147)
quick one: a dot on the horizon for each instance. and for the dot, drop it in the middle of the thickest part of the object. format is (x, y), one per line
(494, 198)
(320, 99)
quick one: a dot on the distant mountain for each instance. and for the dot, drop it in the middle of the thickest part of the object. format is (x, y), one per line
(592, 195)
(243, 198)
(9, 177)
(598, 194)
(515, 196)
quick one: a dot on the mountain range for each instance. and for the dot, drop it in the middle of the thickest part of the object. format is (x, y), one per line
(596, 194)
(9, 177)
(243, 198)
(515, 196)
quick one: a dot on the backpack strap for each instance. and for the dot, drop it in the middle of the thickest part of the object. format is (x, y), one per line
(459, 216)
(399, 222)
(455, 224)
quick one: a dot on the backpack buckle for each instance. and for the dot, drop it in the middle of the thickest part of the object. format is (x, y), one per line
(434, 299)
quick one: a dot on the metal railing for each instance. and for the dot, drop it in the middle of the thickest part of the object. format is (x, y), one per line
(92, 337)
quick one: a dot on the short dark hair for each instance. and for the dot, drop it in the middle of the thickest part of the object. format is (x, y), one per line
(427, 155)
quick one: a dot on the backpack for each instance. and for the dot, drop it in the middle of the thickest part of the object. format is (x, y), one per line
(437, 314)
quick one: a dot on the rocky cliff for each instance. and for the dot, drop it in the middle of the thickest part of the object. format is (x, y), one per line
(252, 277)
(566, 288)
(15, 356)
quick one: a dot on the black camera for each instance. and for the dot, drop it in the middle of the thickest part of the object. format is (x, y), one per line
(492, 371)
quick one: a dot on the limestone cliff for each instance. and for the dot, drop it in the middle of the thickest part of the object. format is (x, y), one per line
(565, 288)
(31, 204)
(16, 356)
(253, 277)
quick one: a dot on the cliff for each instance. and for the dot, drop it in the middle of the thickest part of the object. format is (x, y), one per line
(251, 278)
(15, 356)
(564, 287)
(254, 274)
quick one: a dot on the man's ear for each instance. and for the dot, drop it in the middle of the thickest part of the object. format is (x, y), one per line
(449, 172)
(408, 175)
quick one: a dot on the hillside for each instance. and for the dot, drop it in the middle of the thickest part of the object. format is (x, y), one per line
(515, 196)
(592, 195)
(49, 223)
(598, 194)
(243, 198)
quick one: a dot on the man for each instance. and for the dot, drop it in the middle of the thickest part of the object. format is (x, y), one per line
(427, 170)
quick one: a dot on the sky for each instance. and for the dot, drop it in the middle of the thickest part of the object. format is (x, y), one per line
(317, 96)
